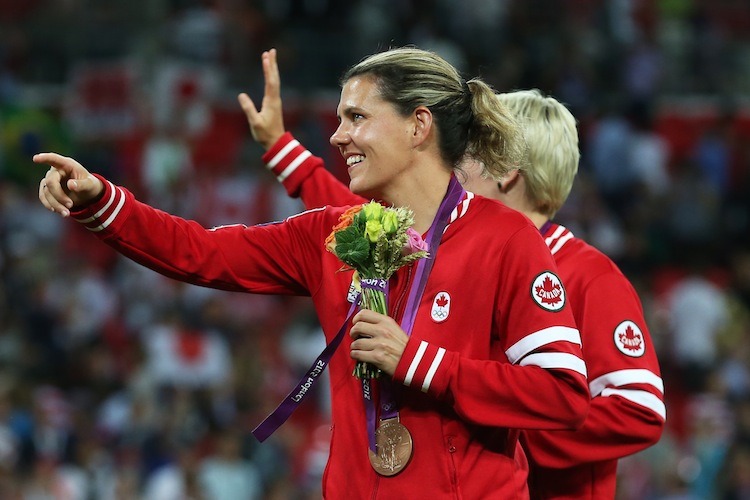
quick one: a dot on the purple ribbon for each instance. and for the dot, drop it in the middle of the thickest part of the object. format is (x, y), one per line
(300, 391)
(295, 397)
(388, 396)
(389, 408)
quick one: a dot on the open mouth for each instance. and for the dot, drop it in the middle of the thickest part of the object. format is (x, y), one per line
(354, 159)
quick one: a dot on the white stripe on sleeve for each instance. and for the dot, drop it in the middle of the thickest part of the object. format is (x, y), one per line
(112, 194)
(625, 377)
(115, 212)
(555, 360)
(542, 337)
(433, 369)
(415, 363)
(642, 398)
(293, 166)
(281, 154)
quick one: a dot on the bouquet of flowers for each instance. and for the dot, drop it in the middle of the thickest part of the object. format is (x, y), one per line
(375, 241)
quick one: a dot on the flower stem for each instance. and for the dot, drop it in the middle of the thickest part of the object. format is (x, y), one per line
(374, 300)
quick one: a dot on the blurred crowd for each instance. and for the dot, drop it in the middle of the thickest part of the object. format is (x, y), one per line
(116, 383)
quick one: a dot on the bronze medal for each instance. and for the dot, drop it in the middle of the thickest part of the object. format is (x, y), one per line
(394, 448)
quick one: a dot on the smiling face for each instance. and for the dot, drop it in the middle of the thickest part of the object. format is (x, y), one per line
(374, 139)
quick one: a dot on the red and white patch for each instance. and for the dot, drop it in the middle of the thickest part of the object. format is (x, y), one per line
(441, 307)
(629, 339)
(548, 291)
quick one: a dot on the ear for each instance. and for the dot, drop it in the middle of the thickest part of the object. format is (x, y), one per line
(422, 121)
(509, 180)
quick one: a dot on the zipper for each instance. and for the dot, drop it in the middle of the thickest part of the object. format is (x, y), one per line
(454, 470)
(396, 315)
(375, 487)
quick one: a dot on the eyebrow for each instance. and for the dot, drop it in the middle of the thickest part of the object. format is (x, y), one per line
(349, 110)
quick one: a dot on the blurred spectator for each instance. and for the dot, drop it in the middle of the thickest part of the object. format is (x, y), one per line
(185, 357)
(226, 474)
(649, 152)
(697, 312)
(693, 211)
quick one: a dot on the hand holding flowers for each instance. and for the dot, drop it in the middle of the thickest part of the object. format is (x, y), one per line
(375, 241)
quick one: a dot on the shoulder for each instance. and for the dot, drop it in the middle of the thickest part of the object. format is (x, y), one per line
(494, 215)
(579, 261)
(322, 214)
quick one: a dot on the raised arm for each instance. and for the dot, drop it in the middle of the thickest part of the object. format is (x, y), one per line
(303, 175)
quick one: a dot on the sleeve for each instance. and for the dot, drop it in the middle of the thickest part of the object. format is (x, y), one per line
(536, 377)
(279, 258)
(305, 176)
(627, 411)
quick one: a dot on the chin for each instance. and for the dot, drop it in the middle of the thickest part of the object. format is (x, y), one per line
(363, 190)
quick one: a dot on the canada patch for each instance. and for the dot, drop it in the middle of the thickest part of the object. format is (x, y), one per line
(441, 307)
(629, 339)
(548, 291)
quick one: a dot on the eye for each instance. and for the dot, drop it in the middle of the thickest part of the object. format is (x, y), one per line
(356, 117)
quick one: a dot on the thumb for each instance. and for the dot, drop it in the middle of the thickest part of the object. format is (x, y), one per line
(86, 184)
(248, 106)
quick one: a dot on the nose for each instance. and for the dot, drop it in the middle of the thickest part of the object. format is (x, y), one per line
(339, 137)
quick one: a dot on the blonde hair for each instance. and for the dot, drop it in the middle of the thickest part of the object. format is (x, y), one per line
(469, 118)
(552, 152)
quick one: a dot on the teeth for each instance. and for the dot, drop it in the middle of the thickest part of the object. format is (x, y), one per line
(354, 159)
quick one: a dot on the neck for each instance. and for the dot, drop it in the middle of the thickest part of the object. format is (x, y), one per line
(538, 219)
(423, 195)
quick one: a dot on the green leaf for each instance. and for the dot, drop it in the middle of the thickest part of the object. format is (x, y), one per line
(355, 252)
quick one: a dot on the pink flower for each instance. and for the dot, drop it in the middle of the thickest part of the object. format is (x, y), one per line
(415, 243)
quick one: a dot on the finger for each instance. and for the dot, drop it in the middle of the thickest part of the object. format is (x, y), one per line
(52, 189)
(360, 329)
(43, 195)
(59, 162)
(248, 106)
(88, 184)
(271, 74)
(369, 316)
(54, 198)
(370, 324)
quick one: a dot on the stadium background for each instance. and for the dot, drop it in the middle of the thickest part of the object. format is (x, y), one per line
(116, 383)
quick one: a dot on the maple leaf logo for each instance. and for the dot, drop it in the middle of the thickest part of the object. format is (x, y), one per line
(631, 340)
(441, 307)
(549, 292)
(441, 301)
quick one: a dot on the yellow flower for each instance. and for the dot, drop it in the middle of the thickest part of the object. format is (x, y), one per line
(373, 228)
(373, 211)
(390, 222)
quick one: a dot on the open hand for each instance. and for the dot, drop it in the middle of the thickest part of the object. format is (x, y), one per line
(267, 126)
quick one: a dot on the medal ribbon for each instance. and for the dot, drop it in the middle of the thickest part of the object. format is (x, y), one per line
(388, 403)
(300, 391)
(297, 395)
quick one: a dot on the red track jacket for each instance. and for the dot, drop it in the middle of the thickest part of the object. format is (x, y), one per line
(627, 411)
(503, 353)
